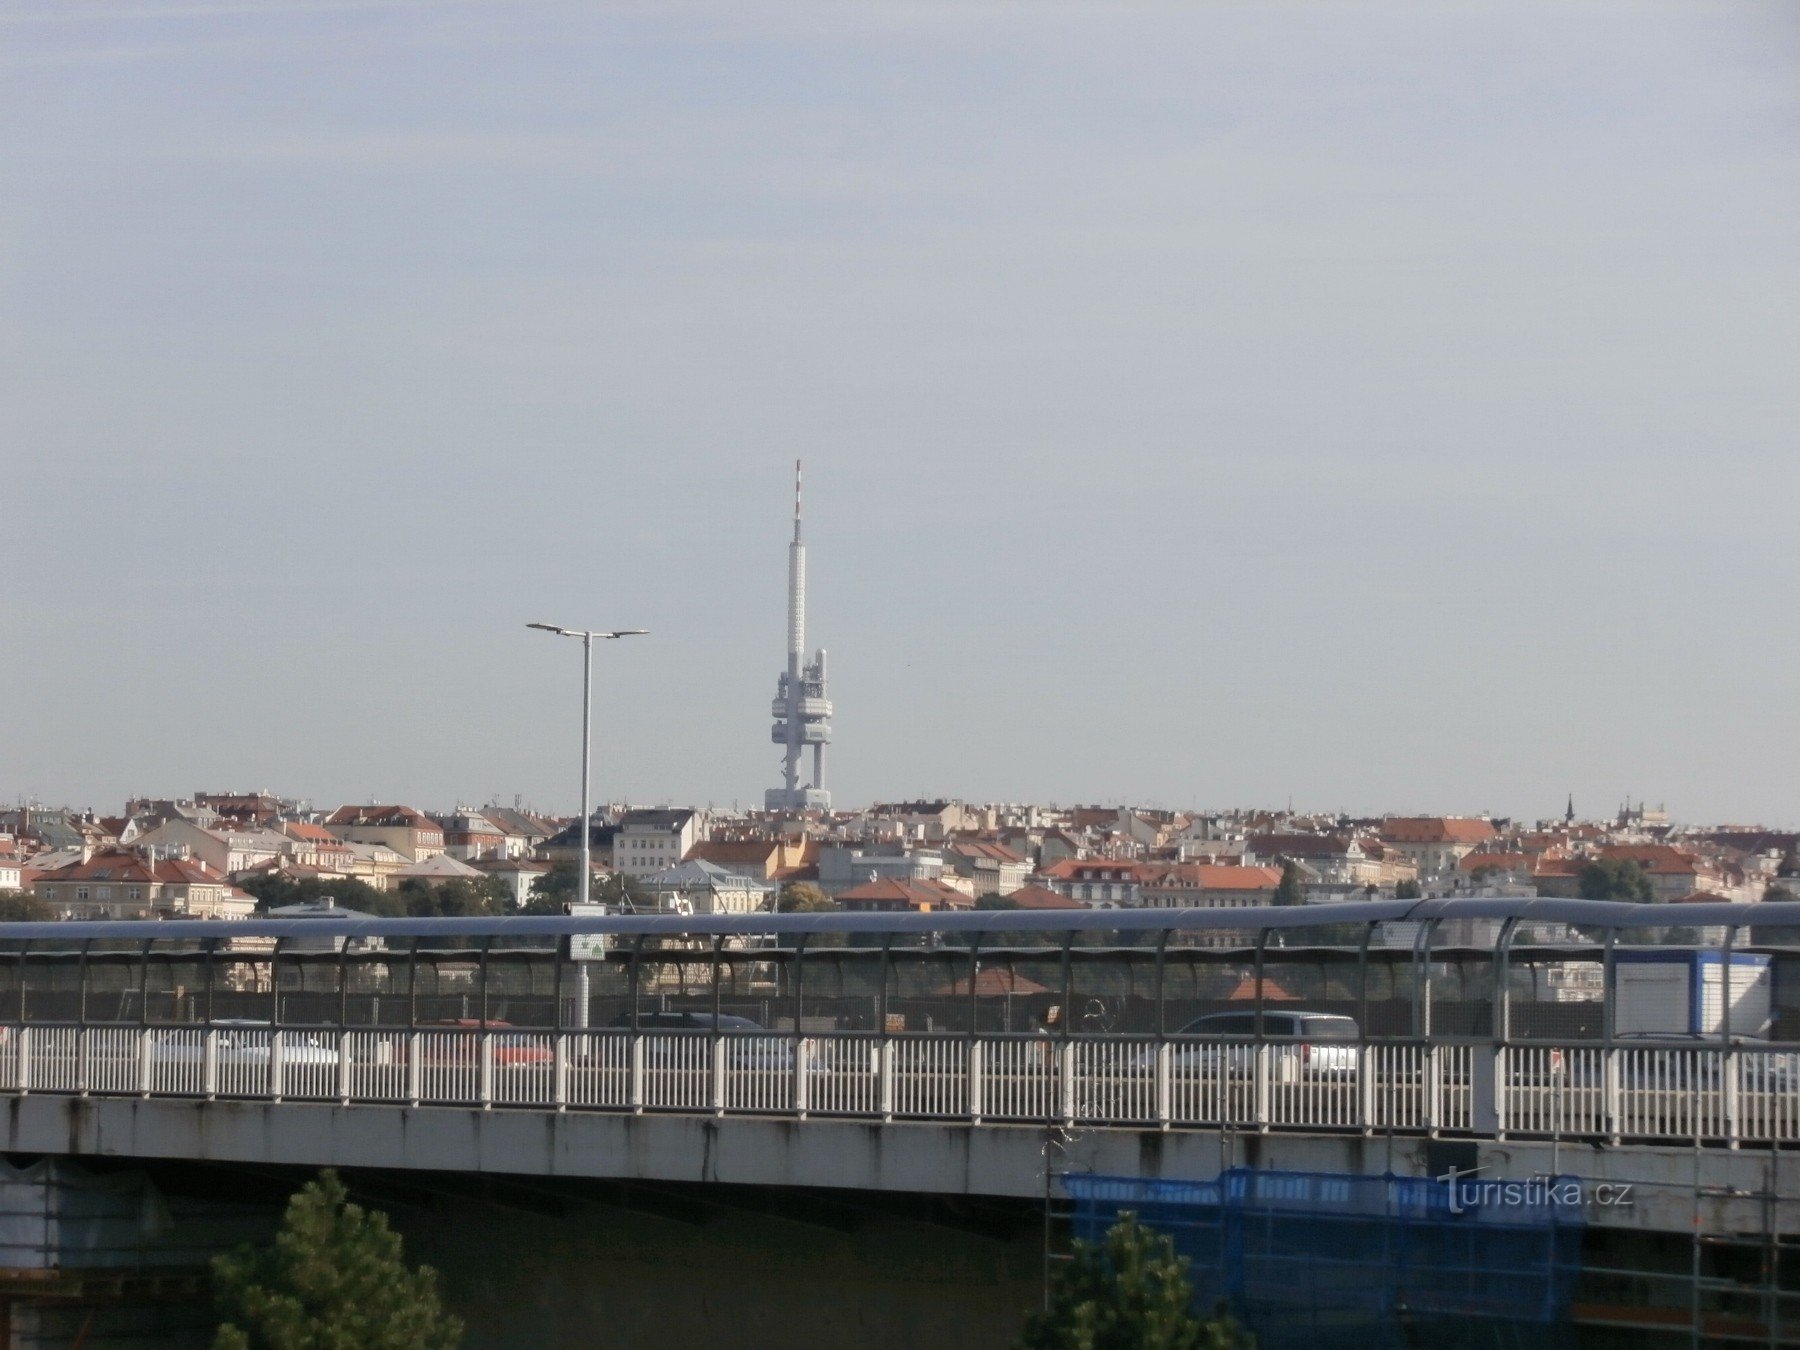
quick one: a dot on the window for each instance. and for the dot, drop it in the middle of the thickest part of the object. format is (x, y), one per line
(81, 892)
(105, 893)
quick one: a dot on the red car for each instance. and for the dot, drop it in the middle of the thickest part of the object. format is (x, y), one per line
(517, 1048)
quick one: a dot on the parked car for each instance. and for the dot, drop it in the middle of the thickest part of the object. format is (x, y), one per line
(240, 1041)
(1301, 1045)
(513, 1049)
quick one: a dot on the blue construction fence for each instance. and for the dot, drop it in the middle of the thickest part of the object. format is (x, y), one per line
(1322, 1260)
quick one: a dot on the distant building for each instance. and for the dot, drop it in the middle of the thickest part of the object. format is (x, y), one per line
(1435, 844)
(470, 834)
(990, 869)
(844, 866)
(438, 870)
(412, 834)
(894, 896)
(126, 884)
(1114, 882)
(697, 887)
(648, 842)
(1207, 886)
(227, 847)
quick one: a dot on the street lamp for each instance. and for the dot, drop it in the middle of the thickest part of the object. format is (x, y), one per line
(584, 879)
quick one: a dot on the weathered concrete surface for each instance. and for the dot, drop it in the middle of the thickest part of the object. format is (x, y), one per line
(919, 1157)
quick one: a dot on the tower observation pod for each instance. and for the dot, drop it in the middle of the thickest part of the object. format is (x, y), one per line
(801, 709)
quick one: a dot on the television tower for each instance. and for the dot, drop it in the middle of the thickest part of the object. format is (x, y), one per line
(802, 711)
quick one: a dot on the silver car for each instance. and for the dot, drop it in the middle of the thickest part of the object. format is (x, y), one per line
(240, 1042)
(1301, 1045)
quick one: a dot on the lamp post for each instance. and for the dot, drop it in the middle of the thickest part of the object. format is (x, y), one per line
(584, 879)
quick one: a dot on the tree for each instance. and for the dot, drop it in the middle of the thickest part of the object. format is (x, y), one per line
(994, 900)
(335, 1279)
(1128, 1292)
(460, 897)
(272, 891)
(24, 907)
(1289, 892)
(1615, 879)
(1407, 889)
(1777, 893)
(557, 887)
(802, 897)
(553, 890)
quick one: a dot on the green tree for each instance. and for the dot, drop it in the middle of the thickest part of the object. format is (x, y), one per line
(553, 890)
(802, 897)
(272, 891)
(1127, 1292)
(335, 1279)
(1777, 893)
(460, 897)
(557, 887)
(1407, 889)
(1615, 879)
(1289, 892)
(994, 900)
(23, 907)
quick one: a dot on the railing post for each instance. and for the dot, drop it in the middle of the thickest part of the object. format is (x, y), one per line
(24, 1039)
(81, 1057)
(1729, 1063)
(209, 1063)
(716, 1078)
(636, 1089)
(484, 1087)
(1165, 1087)
(974, 1064)
(343, 1067)
(146, 1059)
(1365, 1086)
(1486, 1072)
(1431, 1089)
(559, 1070)
(1263, 1090)
(886, 1070)
(802, 1083)
(1611, 1103)
(1065, 1056)
(415, 1068)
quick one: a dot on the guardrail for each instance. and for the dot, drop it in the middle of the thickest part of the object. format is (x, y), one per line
(1726, 1094)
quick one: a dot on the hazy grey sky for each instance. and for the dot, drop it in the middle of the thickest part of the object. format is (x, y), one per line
(1389, 406)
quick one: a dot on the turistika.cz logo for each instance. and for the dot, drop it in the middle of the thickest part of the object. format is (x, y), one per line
(1468, 1194)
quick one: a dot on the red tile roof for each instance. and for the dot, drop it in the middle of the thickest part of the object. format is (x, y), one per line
(1042, 897)
(1436, 830)
(125, 865)
(894, 893)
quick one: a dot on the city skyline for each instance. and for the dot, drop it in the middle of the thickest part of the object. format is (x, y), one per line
(1387, 411)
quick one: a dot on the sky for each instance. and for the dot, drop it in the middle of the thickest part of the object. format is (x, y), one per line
(1377, 407)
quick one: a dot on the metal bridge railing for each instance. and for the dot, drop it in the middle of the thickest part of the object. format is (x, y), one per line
(1640, 1092)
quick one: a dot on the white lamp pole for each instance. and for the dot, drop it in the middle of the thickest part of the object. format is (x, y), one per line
(584, 880)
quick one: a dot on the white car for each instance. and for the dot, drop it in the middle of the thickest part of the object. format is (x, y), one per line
(240, 1042)
(1301, 1045)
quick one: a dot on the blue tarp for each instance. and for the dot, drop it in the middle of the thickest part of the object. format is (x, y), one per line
(1317, 1260)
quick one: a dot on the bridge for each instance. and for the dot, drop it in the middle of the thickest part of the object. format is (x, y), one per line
(1327, 1024)
(995, 1055)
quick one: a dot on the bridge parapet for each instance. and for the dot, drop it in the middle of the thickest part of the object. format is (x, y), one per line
(1489, 1018)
